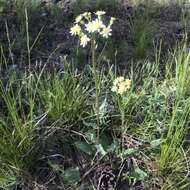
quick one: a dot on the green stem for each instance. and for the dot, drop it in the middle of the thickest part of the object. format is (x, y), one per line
(28, 40)
(122, 128)
(122, 112)
(97, 89)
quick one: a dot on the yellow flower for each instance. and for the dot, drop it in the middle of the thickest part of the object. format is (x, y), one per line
(94, 26)
(128, 83)
(84, 40)
(87, 15)
(121, 89)
(106, 32)
(78, 19)
(89, 27)
(97, 24)
(100, 13)
(75, 30)
(112, 21)
(121, 85)
(118, 80)
(114, 89)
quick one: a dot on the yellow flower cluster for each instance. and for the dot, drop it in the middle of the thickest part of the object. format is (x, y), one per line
(87, 24)
(121, 85)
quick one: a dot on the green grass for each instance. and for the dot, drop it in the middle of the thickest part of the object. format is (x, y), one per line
(18, 129)
(143, 30)
(63, 96)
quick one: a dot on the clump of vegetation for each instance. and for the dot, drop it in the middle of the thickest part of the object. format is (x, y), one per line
(19, 130)
(63, 96)
(102, 125)
(143, 31)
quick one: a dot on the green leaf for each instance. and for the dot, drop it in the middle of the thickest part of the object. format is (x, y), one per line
(114, 147)
(140, 174)
(100, 149)
(129, 151)
(56, 167)
(84, 147)
(71, 175)
(156, 143)
(103, 107)
(91, 125)
(105, 141)
(91, 136)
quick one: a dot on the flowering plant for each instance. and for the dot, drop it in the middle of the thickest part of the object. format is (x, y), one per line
(121, 87)
(87, 25)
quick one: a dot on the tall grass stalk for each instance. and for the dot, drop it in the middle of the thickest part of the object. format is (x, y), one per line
(182, 62)
(9, 42)
(28, 40)
(94, 64)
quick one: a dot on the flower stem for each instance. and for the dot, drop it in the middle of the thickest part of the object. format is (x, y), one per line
(122, 112)
(97, 89)
(122, 128)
